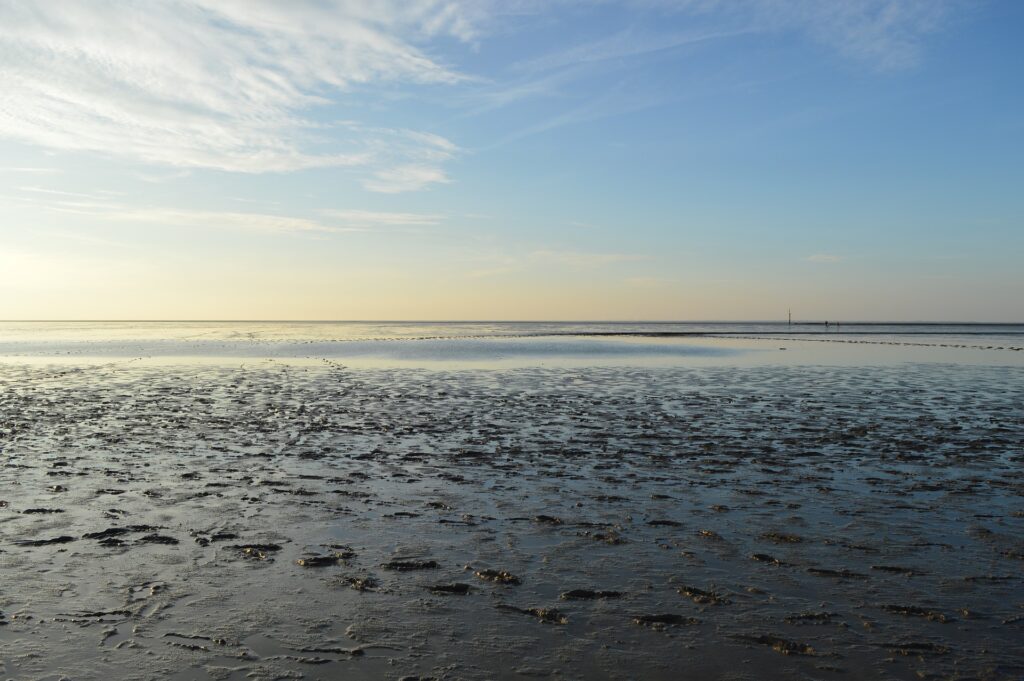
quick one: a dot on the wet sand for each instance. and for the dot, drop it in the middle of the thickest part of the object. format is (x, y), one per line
(274, 519)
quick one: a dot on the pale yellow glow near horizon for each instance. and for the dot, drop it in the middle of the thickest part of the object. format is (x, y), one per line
(74, 287)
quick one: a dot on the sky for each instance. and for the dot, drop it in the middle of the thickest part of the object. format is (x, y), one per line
(513, 159)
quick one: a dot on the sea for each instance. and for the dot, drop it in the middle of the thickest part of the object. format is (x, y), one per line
(505, 344)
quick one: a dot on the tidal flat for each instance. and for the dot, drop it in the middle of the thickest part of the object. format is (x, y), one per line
(276, 519)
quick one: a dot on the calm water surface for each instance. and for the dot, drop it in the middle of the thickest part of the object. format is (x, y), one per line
(504, 344)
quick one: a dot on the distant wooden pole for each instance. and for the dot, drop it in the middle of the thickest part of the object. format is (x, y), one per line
(791, 317)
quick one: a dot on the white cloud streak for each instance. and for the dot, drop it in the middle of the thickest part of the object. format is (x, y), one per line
(623, 45)
(887, 34)
(366, 219)
(100, 206)
(30, 170)
(220, 84)
(240, 221)
(241, 85)
(404, 179)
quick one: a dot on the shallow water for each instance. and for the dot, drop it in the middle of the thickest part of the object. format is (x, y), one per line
(880, 487)
(504, 345)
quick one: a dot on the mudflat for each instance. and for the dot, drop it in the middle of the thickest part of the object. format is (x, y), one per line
(274, 519)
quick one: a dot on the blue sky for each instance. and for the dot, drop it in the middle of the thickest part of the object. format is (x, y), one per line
(436, 159)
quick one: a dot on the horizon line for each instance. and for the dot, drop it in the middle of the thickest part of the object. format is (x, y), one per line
(839, 322)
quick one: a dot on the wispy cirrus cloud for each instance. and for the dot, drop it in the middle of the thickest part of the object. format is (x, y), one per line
(221, 84)
(234, 220)
(53, 192)
(107, 207)
(404, 178)
(101, 207)
(623, 45)
(243, 85)
(408, 160)
(882, 35)
(30, 170)
(368, 219)
(887, 34)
